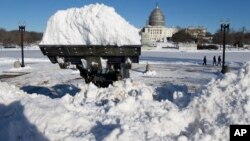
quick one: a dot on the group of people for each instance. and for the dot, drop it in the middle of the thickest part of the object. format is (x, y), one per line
(215, 62)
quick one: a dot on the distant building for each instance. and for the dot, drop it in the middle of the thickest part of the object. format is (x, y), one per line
(155, 30)
(199, 33)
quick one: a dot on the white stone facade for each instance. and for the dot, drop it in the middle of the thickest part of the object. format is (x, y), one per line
(157, 33)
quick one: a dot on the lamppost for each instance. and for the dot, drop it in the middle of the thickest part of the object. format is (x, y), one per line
(22, 30)
(224, 29)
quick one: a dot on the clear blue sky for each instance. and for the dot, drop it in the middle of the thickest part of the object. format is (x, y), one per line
(181, 13)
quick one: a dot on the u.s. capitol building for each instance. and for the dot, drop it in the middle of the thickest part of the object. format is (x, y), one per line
(155, 30)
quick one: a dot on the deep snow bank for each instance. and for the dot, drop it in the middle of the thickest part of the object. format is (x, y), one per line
(223, 103)
(126, 111)
(94, 24)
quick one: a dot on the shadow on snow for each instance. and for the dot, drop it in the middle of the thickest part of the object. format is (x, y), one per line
(56, 91)
(177, 94)
(101, 131)
(15, 126)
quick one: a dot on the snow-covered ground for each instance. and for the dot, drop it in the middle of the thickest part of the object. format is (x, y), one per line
(178, 100)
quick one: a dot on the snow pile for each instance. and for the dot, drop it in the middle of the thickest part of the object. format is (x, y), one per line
(223, 103)
(119, 91)
(94, 24)
(82, 117)
(150, 73)
(22, 69)
(127, 111)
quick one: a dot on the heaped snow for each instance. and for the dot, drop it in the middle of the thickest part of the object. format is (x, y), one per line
(46, 103)
(127, 111)
(94, 24)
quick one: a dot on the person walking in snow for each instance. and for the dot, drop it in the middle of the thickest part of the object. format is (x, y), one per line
(214, 61)
(219, 61)
(205, 61)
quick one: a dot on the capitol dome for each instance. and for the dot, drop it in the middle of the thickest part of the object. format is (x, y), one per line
(156, 17)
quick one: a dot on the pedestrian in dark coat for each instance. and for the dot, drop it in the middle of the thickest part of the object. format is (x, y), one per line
(204, 60)
(219, 61)
(214, 61)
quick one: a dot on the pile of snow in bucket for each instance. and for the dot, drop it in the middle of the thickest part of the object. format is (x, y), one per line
(127, 111)
(94, 24)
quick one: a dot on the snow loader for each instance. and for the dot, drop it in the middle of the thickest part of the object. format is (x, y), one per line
(99, 64)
